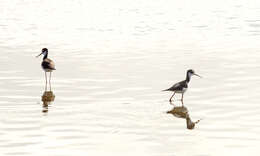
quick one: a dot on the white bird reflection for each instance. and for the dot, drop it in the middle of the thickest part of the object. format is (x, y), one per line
(47, 98)
(182, 112)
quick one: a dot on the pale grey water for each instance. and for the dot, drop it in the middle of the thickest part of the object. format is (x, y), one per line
(113, 58)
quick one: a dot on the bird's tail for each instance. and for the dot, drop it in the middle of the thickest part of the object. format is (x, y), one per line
(165, 90)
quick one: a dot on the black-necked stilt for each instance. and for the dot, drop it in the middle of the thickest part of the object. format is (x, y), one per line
(181, 87)
(47, 65)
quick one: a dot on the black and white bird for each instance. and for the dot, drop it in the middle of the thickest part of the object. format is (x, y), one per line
(47, 65)
(181, 87)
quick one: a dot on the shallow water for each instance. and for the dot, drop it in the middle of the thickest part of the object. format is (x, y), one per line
(113, 59)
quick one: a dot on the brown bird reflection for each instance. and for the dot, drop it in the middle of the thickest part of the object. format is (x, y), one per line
(182, 112)
(47, 98)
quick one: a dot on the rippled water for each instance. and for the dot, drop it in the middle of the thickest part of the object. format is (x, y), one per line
(113, 58)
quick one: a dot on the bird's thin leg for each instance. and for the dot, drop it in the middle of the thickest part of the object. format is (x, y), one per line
(45, 81)
(171, 103)
(182, 98)
(171, 97)
(50, 81)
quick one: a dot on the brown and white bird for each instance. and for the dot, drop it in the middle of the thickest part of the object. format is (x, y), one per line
(47, 65)
(181, 87)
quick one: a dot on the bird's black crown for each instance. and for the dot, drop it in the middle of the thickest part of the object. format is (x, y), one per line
(44, 49)
(191, 71)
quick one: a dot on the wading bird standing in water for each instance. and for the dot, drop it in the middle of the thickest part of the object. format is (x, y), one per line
(181, 87)
(47, 66)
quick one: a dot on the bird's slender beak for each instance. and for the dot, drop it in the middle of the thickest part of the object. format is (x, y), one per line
(39, 55)
(197, 75)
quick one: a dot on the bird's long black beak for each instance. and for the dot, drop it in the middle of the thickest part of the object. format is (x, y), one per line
(197, 75)
(39, 55)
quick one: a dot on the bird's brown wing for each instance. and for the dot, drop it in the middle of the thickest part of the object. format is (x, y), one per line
(48, 64)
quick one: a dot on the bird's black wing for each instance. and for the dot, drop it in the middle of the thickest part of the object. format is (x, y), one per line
(177, 86)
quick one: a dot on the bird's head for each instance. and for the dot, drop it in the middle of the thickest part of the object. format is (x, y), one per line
(191, 72)
(44, 52)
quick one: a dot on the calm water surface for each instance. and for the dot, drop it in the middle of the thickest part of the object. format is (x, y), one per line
(113, 58)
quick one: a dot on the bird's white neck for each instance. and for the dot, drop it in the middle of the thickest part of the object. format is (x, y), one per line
(45, 55)
(188, 77)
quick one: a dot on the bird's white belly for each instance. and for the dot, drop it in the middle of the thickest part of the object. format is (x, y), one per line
(181, 91)
(47, 70)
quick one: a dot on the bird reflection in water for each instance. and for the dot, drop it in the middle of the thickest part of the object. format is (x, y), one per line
(47, 98)
(182, 112)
